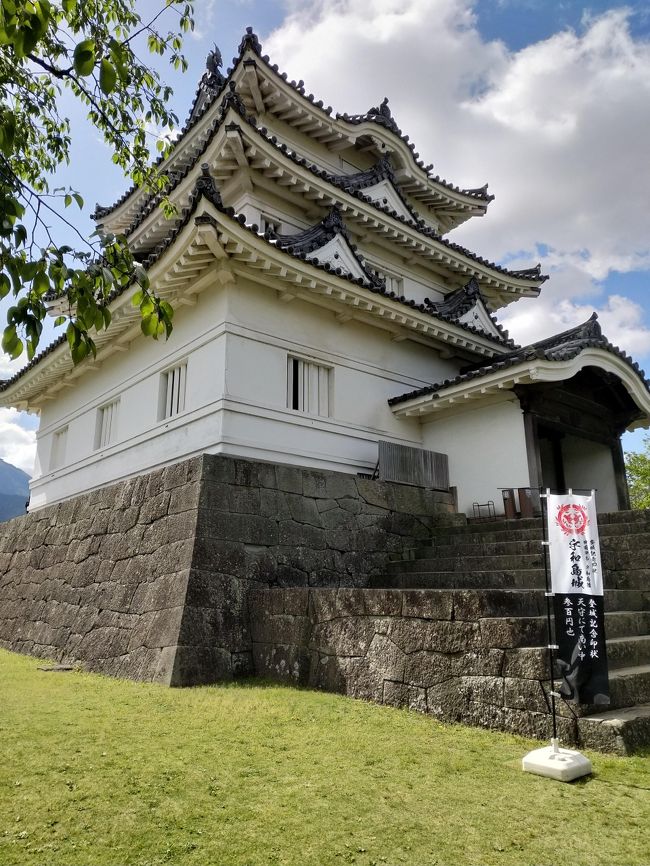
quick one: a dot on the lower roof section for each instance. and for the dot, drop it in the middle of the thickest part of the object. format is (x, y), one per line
(554, 359)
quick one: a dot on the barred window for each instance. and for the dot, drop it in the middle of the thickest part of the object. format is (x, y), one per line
(308, 387)
(59, 443)
(106, 429)
(172, 392)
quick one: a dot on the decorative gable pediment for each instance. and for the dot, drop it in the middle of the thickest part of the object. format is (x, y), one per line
(327, 243)
(479, 318)
(385, 193)
(338, 254)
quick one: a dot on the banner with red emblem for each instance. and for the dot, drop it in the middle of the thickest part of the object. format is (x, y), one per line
(577, 586)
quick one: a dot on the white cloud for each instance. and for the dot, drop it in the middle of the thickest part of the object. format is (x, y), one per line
(17, 438)
(17, 444)
(9, 368)
(560, 129)
(620, 319)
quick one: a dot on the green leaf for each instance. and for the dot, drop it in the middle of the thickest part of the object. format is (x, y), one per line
(59, 321)
(7, 133)
(11, 342)
(149, 325)
(107, 76)
(72, 335)
(78, 199)
(79, 352)
(84, 57)
(41, 283)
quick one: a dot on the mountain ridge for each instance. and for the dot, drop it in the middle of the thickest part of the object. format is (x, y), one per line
(14, 490)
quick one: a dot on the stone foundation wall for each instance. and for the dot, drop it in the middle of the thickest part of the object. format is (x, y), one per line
(151, 578)
(460, 655)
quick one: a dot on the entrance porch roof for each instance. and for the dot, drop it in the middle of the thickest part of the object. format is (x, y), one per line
(554, 359)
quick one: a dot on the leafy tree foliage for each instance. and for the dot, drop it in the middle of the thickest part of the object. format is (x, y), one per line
(637, 468)
(89, 48)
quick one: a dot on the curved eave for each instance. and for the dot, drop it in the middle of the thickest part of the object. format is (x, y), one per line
(269, 92)
(334, 132)
(499, 385)
(230, 150)
(210, 249)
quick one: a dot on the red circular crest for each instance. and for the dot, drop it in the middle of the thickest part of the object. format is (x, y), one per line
(572, 519)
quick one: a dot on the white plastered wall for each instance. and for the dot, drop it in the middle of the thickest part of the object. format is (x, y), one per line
(236, 342)
(486, 447)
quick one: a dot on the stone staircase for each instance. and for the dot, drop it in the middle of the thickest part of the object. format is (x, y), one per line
(504, 559)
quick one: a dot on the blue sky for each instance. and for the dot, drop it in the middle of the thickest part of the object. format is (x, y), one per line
(546, 101)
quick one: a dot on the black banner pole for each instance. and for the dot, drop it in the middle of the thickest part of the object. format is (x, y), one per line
(548, 594)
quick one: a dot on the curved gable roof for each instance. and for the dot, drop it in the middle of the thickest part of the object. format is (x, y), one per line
(555, 358)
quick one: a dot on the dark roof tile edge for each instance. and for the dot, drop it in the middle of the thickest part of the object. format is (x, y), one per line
(542, 350)
(418, 225)
(250, 40)
(205, 188)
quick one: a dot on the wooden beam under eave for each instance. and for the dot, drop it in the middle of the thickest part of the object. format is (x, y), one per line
(236, 145)
(252, 81)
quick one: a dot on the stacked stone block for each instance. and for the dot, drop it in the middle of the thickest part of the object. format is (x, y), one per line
(150, 578)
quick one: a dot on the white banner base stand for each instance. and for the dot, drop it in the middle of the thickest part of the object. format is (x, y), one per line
(563, 765)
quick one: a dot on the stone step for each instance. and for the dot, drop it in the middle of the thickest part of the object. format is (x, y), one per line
(496, 571)
(472, 563)
(527, 652)
(532, 578)
(515, 601)
(626, 623)
(531, 529)
(628, 687)
(611, 546)
(627, 633)
(498, 525)
(628, 651)
(623, 731)
(635, 516)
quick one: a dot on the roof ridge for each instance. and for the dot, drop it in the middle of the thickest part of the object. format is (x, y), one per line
(560, 347)
(419, 225)
(381, 115)
(206, 187)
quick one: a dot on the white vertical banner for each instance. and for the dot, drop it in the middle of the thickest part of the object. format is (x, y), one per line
(577, 586)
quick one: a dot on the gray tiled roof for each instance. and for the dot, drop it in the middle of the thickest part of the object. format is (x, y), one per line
(560, 347)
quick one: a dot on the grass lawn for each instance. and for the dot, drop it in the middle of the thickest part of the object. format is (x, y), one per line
(102, 771)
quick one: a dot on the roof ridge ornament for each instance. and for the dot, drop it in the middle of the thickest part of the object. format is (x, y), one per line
(383, 116)
(233, 100)
(535, 271)
(205, 185)
(250, 40)
(335, 223)
(213, 64)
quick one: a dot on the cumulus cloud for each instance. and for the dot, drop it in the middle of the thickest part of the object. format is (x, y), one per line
(17, 444)
(559, 129)
(17, 433)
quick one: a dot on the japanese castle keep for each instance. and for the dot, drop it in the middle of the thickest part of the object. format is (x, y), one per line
(282, 488)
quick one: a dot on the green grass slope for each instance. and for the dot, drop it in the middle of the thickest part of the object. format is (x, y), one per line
(99, 771)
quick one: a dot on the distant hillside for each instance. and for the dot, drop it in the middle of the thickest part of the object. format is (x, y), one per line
(14, 490)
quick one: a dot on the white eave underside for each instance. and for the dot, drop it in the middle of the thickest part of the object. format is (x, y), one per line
(274, 96)
(204, 255)
(245, 149)
(499, 384)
